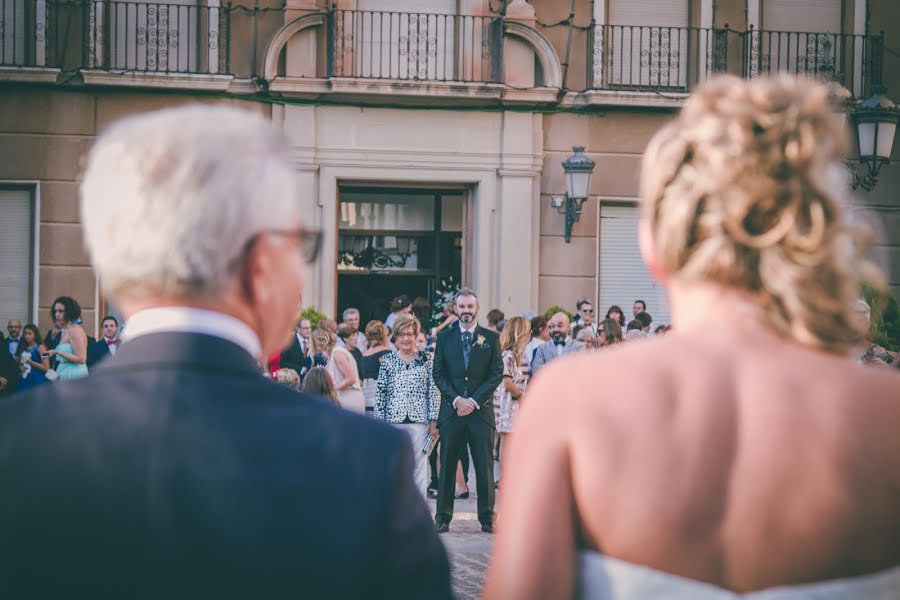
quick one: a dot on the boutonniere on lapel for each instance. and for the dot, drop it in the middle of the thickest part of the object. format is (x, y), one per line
(479, 341)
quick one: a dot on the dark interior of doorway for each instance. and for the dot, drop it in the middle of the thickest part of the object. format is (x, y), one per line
(439, 258)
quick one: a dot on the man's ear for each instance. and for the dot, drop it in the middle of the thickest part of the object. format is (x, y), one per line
(254, 270)
(648, 253)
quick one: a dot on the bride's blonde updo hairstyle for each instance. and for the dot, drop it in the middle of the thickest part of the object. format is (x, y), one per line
(744, 189)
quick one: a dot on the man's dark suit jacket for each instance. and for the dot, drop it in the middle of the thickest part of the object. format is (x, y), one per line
(177, 471)
(294, 358)
(478, 381)
(9, 370)
(52, 341)
(97, 352)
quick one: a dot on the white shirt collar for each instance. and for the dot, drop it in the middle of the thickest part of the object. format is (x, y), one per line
(470, 329)
(193, 320)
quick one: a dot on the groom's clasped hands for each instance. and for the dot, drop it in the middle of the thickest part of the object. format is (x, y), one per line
(465, 406)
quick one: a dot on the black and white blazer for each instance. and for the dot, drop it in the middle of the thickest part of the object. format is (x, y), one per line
(407, 390)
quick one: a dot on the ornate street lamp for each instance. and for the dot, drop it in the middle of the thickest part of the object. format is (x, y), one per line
(578, 169)
(876, 123)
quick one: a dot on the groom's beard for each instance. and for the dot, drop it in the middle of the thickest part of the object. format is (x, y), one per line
(466, 318)
(558, 337)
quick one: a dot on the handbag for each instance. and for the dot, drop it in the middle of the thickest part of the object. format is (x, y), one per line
(430, 442)
(51, 375)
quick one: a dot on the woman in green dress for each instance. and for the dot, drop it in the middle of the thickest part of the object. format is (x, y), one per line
(71, 352)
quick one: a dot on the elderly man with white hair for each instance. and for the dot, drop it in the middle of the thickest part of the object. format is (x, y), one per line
(177, 469)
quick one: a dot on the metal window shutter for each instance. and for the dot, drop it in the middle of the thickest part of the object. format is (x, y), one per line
(151, 36)
(384, 33)
(12, 32)
(655, 13)
(623, 276)
(15, 255)
(802, 15)
(441, 7)
(650, 39)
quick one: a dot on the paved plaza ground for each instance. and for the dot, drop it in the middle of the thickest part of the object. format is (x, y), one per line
(469, 549)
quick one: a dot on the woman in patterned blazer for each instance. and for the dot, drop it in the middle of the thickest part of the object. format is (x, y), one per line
(406, 395)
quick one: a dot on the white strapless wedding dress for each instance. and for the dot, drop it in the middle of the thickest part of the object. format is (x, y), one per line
(606, 578)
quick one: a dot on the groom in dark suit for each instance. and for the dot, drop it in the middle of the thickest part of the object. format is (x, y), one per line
(467, 369)
(176, 470)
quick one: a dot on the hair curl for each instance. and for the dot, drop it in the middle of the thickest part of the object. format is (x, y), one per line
(744, 189)
(376, 333)
(71, 309)
(405, 322)
(323, 339)
(515, 336)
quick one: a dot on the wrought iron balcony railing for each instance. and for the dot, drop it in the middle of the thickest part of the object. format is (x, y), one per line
(649, 58)
(122, 36)
(23, 34)
(414, 46)
(854, 61)
(156, 37)
(674, 59)
(182, 36)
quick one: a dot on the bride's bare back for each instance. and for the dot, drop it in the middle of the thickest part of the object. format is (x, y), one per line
(747, 450)
(735, 458)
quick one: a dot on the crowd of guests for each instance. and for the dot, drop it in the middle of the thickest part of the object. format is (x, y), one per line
(64, 352)
(348, 357)
(747, 456)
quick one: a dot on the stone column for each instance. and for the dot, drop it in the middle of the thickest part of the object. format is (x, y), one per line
(517, 220)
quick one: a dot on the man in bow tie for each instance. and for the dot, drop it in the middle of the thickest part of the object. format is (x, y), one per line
(14, 328)
(107, 345)
(558, 344)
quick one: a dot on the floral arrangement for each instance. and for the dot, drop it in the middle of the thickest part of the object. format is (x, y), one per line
(444, 298)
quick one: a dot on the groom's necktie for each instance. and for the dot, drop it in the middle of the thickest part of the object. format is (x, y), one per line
(467, 346)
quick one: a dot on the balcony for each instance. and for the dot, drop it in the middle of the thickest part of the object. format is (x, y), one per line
(854, 61)
(675, 59)
(414, 46)
(410, 56)
(168, 44)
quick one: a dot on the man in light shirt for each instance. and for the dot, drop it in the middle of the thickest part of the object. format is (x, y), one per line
(560, 343)
(177, 469)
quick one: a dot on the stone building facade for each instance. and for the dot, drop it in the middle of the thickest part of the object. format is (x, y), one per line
(429, 143)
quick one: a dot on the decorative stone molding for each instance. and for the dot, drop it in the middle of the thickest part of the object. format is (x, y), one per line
(520, 10)
(29, 74)
(543, 49)
(280, 40)
(173, 81)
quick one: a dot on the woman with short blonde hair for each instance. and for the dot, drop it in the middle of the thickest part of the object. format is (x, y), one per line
(376, 334)
(751, 455)
(406, 395)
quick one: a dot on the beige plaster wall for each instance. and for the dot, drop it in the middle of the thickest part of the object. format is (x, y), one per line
(44, 138)
(884, 15)
(494, 155)
(615, 140)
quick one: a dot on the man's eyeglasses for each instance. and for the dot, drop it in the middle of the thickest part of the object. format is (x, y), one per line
(587, 310)
(310, 241)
